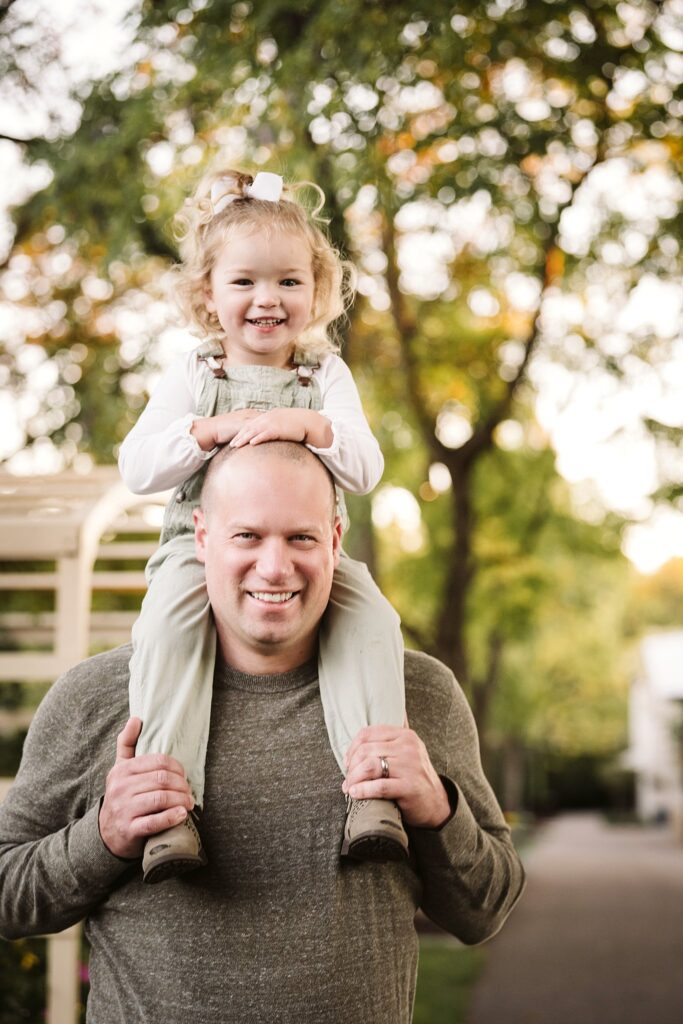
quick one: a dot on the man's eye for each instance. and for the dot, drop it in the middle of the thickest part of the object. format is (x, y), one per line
(244, 535)
(303, 538)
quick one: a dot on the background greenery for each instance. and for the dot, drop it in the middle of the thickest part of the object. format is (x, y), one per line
(410, 122)
(468, 139)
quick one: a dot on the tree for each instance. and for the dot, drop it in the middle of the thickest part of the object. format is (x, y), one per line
(485, 138)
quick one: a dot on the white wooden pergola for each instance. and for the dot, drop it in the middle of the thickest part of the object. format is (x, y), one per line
(53, 531)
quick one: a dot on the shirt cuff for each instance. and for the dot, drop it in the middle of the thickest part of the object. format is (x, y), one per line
(334, 447)
(459, 832)
(94, 864)
(197, 451)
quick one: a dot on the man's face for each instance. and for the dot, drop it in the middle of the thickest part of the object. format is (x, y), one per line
(269, 548)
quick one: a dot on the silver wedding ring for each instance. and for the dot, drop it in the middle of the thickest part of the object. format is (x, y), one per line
(384, 765)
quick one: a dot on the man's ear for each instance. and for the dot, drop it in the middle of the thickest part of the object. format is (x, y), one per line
(337, 531)
(199, 535)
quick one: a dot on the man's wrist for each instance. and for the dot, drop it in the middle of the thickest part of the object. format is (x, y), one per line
(451, 791)
(125, 860)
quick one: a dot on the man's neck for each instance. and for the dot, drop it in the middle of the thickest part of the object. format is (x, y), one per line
(268, 662)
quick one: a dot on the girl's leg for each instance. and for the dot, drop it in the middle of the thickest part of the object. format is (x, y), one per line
(174, 652)
(362, 683)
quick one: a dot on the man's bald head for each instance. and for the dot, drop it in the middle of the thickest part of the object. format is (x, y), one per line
(266, 526)
(302, 460)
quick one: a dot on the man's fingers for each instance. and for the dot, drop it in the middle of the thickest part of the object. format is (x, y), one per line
(157, 801)
(150, 824)
(156, 763)
(376, 738)
(127, 738)
(378, 789)
(148, 782)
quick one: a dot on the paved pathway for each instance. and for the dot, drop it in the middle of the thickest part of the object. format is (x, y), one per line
(598, 935)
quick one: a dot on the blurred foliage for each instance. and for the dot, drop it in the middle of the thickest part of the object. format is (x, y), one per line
(656, 600)
(23, 973)
(462, 150)
(22, 981)
(446, 976)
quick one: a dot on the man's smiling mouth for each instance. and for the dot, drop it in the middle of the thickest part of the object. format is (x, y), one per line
(271, 598)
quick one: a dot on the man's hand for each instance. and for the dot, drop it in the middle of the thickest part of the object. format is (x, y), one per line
(305, 425)
(143, 795)
(412, 781)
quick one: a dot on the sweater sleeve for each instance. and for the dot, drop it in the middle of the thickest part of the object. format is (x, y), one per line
(54, 866)
(354, 458)
(160, 452)
(471, 873)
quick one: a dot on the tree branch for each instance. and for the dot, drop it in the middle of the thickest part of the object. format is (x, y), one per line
(406, 329)
(21, 142)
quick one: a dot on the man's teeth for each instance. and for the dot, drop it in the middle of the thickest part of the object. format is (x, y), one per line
(264, 595)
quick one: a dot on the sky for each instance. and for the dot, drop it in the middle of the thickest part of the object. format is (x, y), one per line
(593, 430)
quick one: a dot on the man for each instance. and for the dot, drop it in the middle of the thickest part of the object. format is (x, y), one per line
(277, 928)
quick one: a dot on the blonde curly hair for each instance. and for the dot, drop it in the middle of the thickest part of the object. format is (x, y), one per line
(202, 234)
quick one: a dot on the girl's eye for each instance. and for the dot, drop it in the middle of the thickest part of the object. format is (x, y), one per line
(290, 282)
(242, 281)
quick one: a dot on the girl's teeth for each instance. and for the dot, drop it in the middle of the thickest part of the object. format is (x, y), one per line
(272, 598)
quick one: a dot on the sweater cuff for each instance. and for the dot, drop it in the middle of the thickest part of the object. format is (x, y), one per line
(459, 831)
(95, 865)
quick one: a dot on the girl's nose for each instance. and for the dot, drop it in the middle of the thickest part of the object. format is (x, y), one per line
(265, 296)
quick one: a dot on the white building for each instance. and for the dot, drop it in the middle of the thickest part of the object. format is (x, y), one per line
(655, 713)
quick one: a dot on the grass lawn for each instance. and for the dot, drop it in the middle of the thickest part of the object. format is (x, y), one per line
(445, 977)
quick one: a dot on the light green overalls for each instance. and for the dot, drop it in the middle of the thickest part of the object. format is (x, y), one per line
(360, 661)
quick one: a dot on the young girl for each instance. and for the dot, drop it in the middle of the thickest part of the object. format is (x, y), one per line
(261, 282)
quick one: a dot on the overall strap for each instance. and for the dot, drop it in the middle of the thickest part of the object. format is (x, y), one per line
(304, 364)
(211, 352)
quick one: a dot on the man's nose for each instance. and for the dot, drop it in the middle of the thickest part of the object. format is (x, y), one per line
(274, 563)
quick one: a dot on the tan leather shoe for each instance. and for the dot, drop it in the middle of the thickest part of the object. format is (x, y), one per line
(374, 831)
(173, 852)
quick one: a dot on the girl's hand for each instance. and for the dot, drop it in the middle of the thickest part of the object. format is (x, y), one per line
(303, 425)
(214, 430)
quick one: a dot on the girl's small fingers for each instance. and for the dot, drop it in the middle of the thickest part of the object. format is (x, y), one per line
(264, 435)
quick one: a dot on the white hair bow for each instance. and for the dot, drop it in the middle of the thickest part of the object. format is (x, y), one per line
(264, 186)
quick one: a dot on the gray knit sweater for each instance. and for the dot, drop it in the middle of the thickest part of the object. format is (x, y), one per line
(277, 928)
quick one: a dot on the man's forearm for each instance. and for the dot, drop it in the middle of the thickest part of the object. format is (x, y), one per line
(471, 877)
(50, 883)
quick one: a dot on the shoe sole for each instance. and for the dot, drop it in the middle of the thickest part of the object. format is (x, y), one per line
(172, 868)
(378, 849)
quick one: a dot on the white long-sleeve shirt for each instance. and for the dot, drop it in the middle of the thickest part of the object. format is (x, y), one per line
(160, 452)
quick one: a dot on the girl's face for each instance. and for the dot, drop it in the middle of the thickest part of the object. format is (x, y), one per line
(261, 288)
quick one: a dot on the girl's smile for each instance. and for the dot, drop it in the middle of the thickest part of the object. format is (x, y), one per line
(262, 289)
